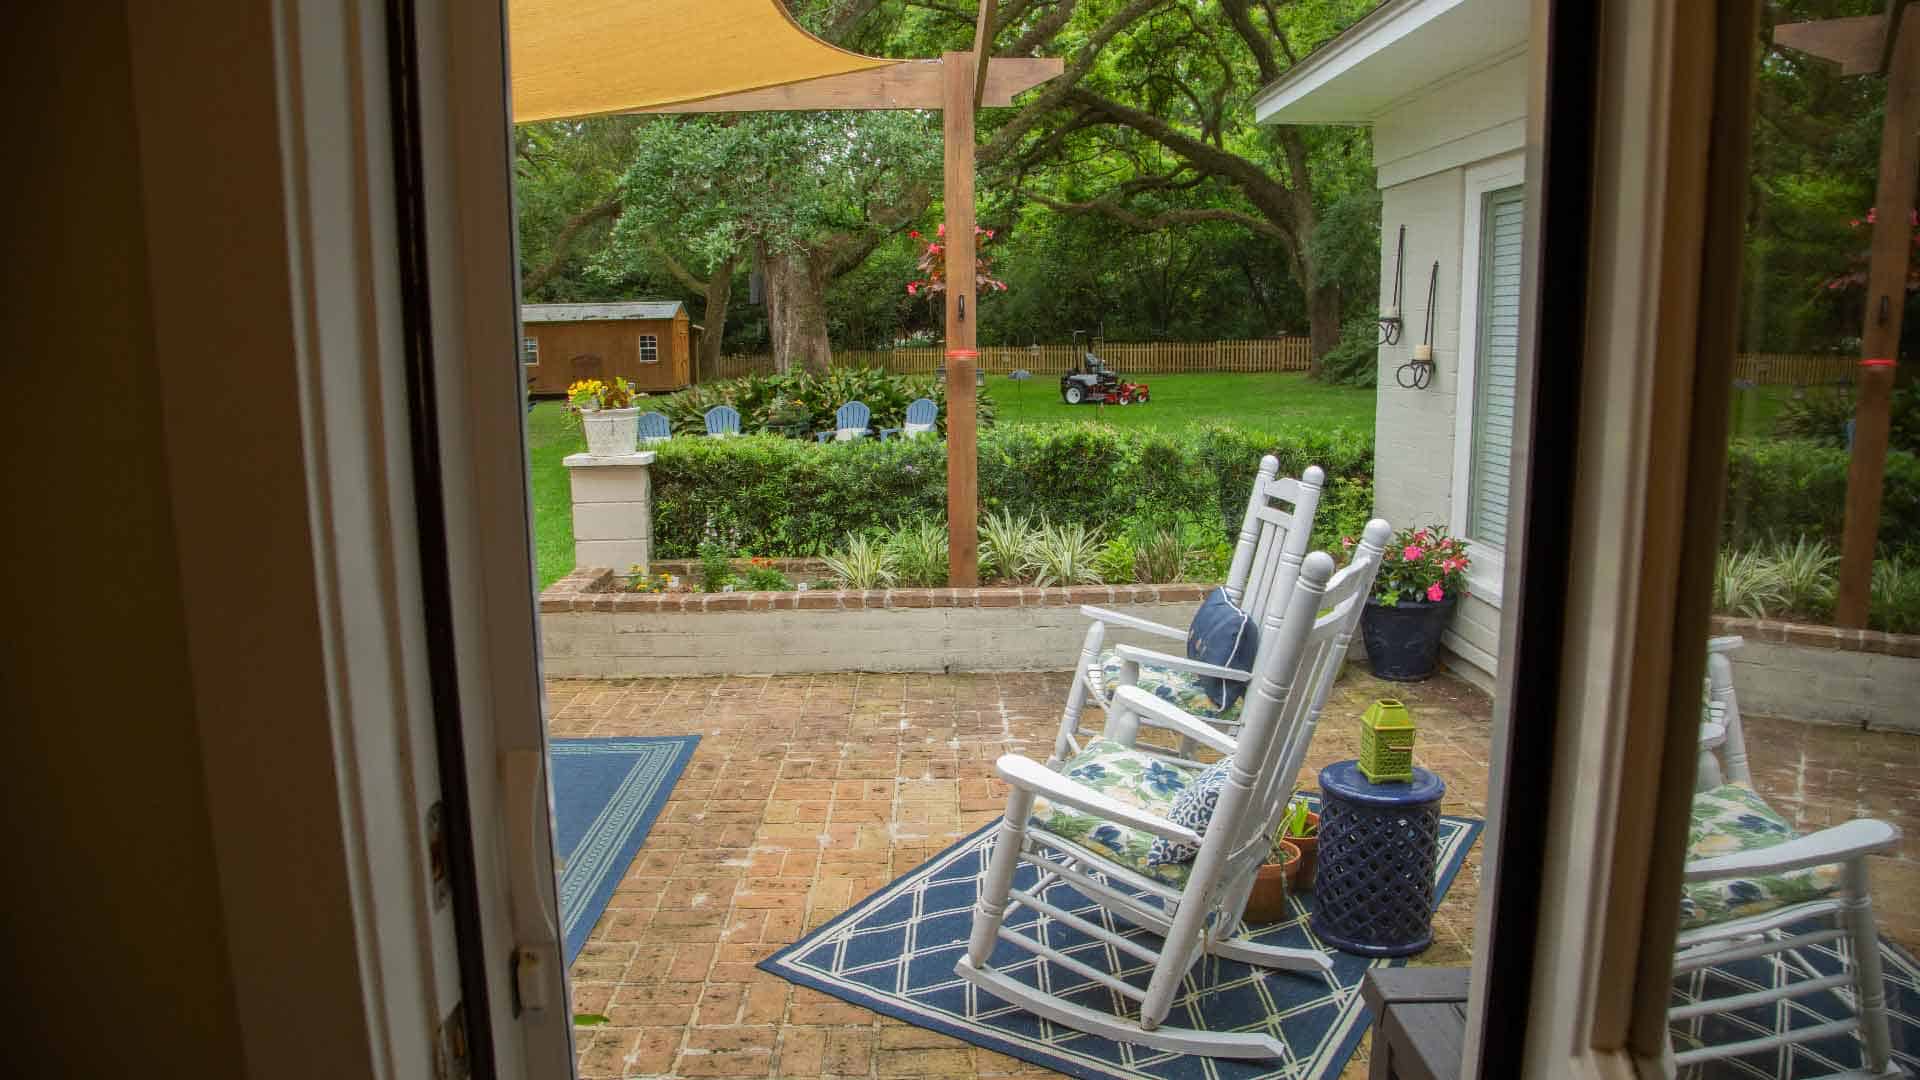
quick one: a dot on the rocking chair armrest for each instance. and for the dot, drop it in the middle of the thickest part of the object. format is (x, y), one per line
(1165, 714)
(822, 436)
(1712, 735)
(1029, 775)
(1840, 843)
(1181, 663)
(1131, 622)
(886, 431)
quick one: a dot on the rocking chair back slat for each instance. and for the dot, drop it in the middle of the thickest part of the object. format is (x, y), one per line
(1274, 540)
(723, 420)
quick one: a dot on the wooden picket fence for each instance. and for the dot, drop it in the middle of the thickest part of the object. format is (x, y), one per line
(1794, 369)
(1181, 357)
(1128, 358)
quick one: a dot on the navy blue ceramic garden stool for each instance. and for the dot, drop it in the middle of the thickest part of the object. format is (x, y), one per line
(1373, 893)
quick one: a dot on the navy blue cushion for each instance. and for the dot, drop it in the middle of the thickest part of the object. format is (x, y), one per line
(1223, 635)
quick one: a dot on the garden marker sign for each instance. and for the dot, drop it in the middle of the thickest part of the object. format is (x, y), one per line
(579, 58)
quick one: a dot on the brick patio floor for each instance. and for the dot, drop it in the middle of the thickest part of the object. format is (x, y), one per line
(809, 792)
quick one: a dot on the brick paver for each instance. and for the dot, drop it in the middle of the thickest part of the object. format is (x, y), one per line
(807, 793)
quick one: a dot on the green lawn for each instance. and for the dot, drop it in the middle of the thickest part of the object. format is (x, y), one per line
(1268, 402)
(1754, 409)
(550, 438)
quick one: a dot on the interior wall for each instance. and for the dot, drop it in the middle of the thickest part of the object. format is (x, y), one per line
(112, 925)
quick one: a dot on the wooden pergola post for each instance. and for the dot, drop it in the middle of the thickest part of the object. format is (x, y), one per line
(963, 458)
(1880, 340)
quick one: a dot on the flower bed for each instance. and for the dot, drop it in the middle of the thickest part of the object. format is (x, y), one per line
(589, 627)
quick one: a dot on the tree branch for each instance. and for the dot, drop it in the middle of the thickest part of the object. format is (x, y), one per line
(1242, 21)
(674, 266)
(1058, 90)
(563, 241)
(1166, 219)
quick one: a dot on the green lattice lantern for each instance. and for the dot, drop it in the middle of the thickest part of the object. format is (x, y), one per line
(1386, 742)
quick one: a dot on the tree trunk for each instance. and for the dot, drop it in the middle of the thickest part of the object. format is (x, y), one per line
(797, 312)
(1323, 324)
(719, 290)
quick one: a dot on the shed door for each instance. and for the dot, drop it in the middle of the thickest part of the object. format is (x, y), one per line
(1496, 358)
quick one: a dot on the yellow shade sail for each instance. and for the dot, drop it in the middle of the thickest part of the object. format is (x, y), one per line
(573, 58)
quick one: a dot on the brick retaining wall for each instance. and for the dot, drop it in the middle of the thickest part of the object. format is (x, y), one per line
(587, 631)
(1826, 675)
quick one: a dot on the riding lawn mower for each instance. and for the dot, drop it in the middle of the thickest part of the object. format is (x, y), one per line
(1098, 385)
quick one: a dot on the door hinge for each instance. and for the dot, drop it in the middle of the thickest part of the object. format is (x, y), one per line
(450, 1058)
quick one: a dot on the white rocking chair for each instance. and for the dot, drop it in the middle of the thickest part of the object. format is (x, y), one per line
(1196, 908)
(1266, 562)
(1751, 884)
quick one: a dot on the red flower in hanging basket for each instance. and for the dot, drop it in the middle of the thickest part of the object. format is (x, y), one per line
(933, 265)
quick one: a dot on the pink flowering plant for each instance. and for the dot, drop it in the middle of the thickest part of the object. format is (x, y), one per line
(1421, 566)
(933, 264)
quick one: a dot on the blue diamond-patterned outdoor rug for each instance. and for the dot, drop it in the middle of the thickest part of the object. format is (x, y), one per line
(894, 953)
(606, 795)
(1822, 1057)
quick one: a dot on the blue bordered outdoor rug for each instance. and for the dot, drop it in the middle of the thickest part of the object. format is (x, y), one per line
(606, 795)
(894, 953)
(1822, 1057)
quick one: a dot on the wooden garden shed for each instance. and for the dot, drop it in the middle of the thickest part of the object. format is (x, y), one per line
(647, 342)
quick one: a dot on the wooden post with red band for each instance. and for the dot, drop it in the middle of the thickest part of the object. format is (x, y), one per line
(963, 457)
(1880, 341)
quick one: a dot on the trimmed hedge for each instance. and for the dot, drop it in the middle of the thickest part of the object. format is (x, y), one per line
(782, 497)
(1790, 488)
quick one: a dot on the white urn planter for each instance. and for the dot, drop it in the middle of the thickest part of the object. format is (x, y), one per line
(611, 432)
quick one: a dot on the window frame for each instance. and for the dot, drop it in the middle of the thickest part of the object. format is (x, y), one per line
(1485, 178)
(529, 350)
(640, 348)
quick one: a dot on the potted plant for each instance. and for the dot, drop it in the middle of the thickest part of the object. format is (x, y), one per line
(1267, 902)
(608, 415)
(1421, 574)
(1301, 828)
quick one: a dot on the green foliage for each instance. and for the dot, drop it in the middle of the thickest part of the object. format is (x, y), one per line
(791, 498)
(716, 567)
(1006, 545)
(1065, 554)
(1355, 360)
(1346, 505)
(920, 554)
(1784, 489)
(1747, 583)
(1820, 414)
(864, 563)
(801, 403)
(1164, 557)
(1806, 570)
(1115, 563)
(1896, 597)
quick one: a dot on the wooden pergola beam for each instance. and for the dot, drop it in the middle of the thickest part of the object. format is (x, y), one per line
(910, 84)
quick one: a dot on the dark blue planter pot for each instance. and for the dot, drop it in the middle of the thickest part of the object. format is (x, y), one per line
(1403, 641)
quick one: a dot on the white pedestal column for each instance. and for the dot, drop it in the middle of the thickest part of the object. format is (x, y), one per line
(612, 510)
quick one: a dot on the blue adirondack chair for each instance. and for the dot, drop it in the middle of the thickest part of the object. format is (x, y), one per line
(849, 423)
(654, 428)
(923, 416)
(723, 420)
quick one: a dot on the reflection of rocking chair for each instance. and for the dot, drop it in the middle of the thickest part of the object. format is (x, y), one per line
(1755, 889)
(1093, 825)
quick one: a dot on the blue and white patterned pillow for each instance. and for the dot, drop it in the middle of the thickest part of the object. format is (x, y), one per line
(1193, 807)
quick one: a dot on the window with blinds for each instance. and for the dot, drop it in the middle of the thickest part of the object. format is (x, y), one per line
(1497, 355)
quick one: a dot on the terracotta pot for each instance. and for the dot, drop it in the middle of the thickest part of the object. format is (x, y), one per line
(1267, 902)
(1300, 871)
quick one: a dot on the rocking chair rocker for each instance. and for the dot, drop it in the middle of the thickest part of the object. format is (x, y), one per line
(1101, 842)
(1266, 563)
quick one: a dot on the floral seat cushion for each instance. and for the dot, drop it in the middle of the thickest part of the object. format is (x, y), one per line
(1181, 689)
(1131, 777)
(1733, 818)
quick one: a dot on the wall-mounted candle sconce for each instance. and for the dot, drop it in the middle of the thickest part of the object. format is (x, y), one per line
(1417, 373)
(1390, 318)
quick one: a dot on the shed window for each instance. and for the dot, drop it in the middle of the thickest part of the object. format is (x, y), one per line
(649, 349)
(529, 350)
(1497, 357)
